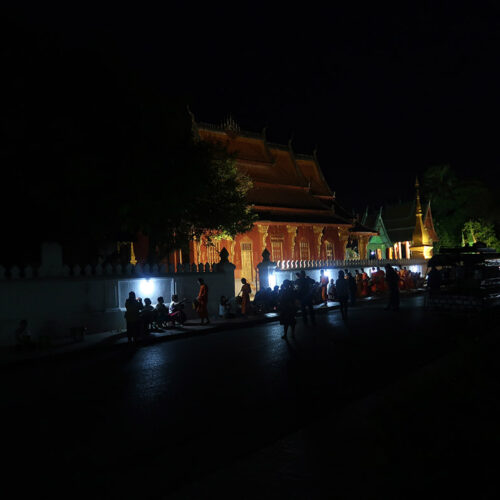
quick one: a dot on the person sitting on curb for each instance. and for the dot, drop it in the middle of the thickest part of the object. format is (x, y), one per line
(23, 335)
(161, 312)
(175, 309)
(147, 315)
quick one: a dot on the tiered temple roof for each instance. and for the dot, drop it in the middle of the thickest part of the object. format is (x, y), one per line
(399, 221)
(286, 186)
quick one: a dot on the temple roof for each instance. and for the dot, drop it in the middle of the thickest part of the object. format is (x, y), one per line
(399, 221)
(281, 179)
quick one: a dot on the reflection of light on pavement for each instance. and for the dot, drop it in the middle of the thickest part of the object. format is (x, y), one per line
(147, 287)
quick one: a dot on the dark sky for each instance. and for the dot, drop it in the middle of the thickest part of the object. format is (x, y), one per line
(383, 93)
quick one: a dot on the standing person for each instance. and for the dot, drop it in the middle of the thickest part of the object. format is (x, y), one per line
(342, 287)
(245, 292)
(304, 292)
(352, 289)
(331, 290)
(202, 302)
(365, 289)
(287, 307)
(392, 280)
(132, 316)
(323, 283)
(434, 280)
(359, 283)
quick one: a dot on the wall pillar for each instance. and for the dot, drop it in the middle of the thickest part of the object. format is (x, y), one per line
(344, 238)
(292, 232)
(318, 233)
(263, 234)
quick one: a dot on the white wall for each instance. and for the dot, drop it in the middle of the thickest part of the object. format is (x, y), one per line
(54, 305)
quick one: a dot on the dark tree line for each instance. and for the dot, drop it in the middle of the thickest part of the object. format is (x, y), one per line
(91, 155)
(464, 210)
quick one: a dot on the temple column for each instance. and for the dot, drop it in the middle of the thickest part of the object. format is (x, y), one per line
(363, 245)
(263, 234)
(344, 238)
(318, 233)
(292, 232)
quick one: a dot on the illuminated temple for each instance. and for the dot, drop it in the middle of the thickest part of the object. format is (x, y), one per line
(298, 217)
(404, 230)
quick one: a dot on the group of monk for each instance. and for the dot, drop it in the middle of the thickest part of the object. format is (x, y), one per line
(378, 282)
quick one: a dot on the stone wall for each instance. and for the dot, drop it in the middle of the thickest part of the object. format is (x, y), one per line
(94, 297)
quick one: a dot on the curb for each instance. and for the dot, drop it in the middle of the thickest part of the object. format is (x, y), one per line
(110, 341)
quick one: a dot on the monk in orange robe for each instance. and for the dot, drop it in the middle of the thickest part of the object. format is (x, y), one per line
(365, 284)
(380, 281)
(202, 302)
(323, 283)
(245, 292)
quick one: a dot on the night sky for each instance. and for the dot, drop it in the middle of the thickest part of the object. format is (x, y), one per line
(383, 93)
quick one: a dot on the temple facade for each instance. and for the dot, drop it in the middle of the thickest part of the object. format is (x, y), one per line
(404, 230)
(298, 217)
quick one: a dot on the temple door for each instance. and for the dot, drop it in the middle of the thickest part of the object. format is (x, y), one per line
(247, 262)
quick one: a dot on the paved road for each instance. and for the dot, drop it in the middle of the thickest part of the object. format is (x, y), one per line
(137, 420)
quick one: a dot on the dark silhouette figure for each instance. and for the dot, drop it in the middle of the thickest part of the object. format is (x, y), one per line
(352, 289)
(392, 279)
(305, 289)
(434, 280)
(287, 307)
(161, 312)
(132, 316)
(342, 288)
(23, 336)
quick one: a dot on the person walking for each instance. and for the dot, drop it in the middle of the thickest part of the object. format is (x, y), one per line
(352, 289)
(392, 280)
(202, 302)
(245, 292)
(323, 282)
(287, 307)
(342, 287)
(304, 293)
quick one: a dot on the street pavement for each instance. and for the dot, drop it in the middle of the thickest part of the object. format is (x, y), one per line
(158, 420)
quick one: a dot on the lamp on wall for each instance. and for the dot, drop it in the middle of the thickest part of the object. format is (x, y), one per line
(147, 287)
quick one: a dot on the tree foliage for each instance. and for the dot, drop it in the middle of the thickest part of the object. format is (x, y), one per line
(455, 201)
(481, 231)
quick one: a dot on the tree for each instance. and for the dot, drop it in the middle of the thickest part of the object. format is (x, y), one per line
(455, 201)
(481, 231)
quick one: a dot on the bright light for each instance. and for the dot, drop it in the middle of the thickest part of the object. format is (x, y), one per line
(272, 280)
(147, 287)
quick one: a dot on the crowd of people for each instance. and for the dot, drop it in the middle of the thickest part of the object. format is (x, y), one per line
(301, 294)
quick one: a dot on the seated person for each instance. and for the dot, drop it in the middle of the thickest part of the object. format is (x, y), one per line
(23, 335)
(225, 308)
(274, 298)
(147, 314)
(161, 312)
(175, 309)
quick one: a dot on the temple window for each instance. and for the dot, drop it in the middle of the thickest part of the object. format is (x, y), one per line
(247, 261)
(328, 250)
(213, 249)
(304, 250)
(276, 249)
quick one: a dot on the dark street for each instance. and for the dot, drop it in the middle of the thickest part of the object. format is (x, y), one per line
(161, 416)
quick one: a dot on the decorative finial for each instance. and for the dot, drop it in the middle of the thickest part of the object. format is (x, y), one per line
(229, 124)
(419, 206)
